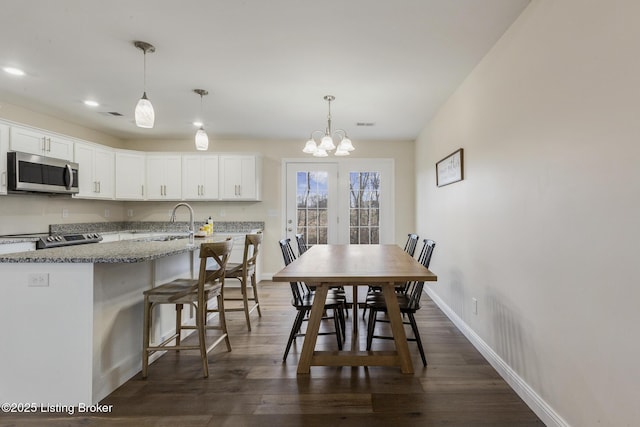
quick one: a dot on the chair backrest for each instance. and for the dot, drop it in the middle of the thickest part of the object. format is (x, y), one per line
(427, 251)
(412, 242)
(287, 251)
(220, 252)
(251, 248)
(302, 244)
(414, 289)
(298, 290)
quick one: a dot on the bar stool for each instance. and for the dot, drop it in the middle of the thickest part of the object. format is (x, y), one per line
(196, 292)
(244, 272)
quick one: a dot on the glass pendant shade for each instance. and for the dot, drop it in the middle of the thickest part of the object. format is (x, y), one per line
(341, 151)
(310, 147)
(346, 144)
(327, 143)
(202, 140)
(145, 116)
(320, 152)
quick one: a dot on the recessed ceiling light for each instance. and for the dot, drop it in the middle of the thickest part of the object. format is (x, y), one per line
(198, 124)
(90, 103)
(14, 71)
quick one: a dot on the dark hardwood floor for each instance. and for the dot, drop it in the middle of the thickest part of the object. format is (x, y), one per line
(251, 386)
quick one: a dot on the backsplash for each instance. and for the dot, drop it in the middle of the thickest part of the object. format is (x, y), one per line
(154, 226)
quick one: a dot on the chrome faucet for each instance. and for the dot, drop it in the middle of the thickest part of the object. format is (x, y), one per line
(191, 225)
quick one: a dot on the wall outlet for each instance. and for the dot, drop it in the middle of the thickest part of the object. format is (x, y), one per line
(129, 213)
(474, 306)
(65, 213)
(107, 213)
(38, 280)
(222, 213)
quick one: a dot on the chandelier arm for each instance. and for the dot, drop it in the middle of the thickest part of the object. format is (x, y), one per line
(314, 132)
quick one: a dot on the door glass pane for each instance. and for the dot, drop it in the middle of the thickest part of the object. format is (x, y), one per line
(364, 207)
(312, 199)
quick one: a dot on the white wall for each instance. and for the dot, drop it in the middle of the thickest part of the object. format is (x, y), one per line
(543, 230)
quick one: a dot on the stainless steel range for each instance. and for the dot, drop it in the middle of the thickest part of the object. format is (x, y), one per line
(58, 240)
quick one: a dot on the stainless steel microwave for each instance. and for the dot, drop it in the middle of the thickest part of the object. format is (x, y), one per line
(32, 173)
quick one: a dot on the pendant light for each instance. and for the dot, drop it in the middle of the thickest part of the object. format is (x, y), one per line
(345, 146)
(202, 140)
(145, 116)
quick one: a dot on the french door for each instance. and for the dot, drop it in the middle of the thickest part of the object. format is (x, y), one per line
(348, 201)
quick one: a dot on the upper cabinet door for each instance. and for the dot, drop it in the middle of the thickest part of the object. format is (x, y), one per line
(130, 175)
(35, 142)
(164, 177)
(104, 172)
(240, 177)
(200, 177)
(96, 171)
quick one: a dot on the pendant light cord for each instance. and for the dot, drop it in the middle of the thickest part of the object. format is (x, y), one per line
(144, 71)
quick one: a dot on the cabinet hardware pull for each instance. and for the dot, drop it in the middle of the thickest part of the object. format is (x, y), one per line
(4, 178)
(142, 194)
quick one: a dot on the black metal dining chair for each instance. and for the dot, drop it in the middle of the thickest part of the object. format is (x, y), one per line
(302, 244)
(410, 248)
(302, 300)
(409, 301)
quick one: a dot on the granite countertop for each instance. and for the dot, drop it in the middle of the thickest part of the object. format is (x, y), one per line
(127, 251)
(17, 239)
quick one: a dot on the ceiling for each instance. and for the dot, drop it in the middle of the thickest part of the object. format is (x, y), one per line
(266, 64)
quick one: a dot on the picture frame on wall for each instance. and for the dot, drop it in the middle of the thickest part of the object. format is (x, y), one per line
(450, 169)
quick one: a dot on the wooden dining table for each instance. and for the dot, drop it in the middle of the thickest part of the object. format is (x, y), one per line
(324, 266)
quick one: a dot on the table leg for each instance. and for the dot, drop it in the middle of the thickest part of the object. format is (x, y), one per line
(313, 326)
(355, 340)
(397, 328)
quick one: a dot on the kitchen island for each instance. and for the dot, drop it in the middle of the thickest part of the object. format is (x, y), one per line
(73, 315)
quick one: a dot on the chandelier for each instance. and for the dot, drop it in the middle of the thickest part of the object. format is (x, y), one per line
(327, 143)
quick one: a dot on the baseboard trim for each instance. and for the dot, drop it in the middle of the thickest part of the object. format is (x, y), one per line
(537, 404)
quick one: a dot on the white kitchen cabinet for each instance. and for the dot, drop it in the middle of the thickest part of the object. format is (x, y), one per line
(200, 177)
(164, 177)
(96, 171)
(4, 146)
(240, 177)
(130, 175)
(34, 141)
